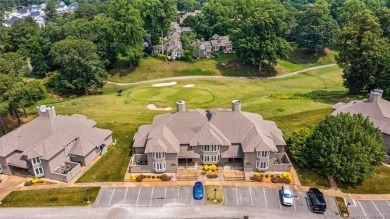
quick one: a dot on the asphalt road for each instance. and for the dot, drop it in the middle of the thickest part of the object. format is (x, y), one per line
(201, 211)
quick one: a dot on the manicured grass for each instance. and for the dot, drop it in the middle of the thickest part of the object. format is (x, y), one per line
(214, 194)
(300, 59)
(312, 179)
(378, 183)
(112, 166)
(50, 197)
(222, 64)
(293, 102)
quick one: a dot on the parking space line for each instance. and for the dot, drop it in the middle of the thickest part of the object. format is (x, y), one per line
(250, 194)
(139, 192)
(124, 197)
(112, 194)
(237, 195)
(295, 207)
(277, 193)
(377, 209)
(387, 203)
(178, 194)
(362, 209)
(265, 198)
(151, 197)
(165, 195)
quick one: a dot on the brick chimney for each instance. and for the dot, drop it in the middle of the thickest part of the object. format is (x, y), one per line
(375, 95)
(45, 111)
(236, 106)
(181, 106)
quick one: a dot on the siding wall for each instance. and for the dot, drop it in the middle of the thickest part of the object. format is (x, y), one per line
(386, 138)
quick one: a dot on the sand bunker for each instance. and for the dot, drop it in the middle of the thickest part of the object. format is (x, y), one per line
(153, 106)
(189, 85)
(165, 84)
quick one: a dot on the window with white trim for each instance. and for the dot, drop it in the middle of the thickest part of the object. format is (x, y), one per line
(38, 171)
(36, 160)
(261, 164)
(158, 155)
(263, 154)
(210, 148)
(159, 166)
(210, 158)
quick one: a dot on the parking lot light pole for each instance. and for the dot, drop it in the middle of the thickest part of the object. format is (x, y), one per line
(88, 190)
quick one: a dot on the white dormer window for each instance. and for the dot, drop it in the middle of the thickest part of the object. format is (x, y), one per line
(158, 155)
(263, 154)
(210, 148)
(36, 160)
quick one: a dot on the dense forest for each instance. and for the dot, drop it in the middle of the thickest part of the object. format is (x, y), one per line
(73, 52)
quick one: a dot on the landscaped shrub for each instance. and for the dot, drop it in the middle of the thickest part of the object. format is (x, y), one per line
(37, 180)
(212, 176)
(256, 177)
(140, 178)
(286, 180)
(161, 56)
(204, 173)
(266, 176)
(153, 177)
(28, 183)
(133, 177)
(213, 167)
(206, 167)
(148, 176)
(165, 177)
(275, 179)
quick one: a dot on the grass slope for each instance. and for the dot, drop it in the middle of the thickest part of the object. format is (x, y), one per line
(293, 102)
(50, 197)
(223, 64)
(378, 183)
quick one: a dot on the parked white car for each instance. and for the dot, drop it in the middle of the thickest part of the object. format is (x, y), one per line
(287, 196)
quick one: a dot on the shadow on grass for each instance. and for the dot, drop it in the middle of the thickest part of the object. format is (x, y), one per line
(302, 56)
(191, 72)
(237, 69)
(323, 96)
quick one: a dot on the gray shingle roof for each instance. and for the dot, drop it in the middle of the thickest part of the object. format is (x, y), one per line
(193, 127)
(375, 108)
(47, 136)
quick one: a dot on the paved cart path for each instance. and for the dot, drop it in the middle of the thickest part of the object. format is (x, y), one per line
(220, 77)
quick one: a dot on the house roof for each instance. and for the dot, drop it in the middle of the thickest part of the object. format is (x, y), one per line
(234, 151)
(220, 40)
(215, 127)
(46, 136)
(375, 108)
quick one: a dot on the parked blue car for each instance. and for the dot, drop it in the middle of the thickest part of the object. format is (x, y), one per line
(198, 190)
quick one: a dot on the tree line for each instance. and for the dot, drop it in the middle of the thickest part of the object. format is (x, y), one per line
(260, 31)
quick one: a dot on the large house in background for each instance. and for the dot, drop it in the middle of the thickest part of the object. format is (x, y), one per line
(218, 136)
(375, 108)
(52, 146)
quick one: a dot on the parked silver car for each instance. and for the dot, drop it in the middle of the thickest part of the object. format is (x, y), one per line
(287, 196)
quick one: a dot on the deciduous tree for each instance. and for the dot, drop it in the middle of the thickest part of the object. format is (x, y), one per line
(346, 147)
(361, 52)
(79, 65)
(258, 32)
(315, 28)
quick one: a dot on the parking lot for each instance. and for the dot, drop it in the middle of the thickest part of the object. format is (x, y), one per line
(368, 209)
(147, 197)
(182, 196)
(271, 198)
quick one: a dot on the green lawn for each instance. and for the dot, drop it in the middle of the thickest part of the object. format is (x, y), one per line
(112, 166)
(50, 197)
(293, 102)
(223, 64)
(312, 179)
(214, 194)
(378, 183)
